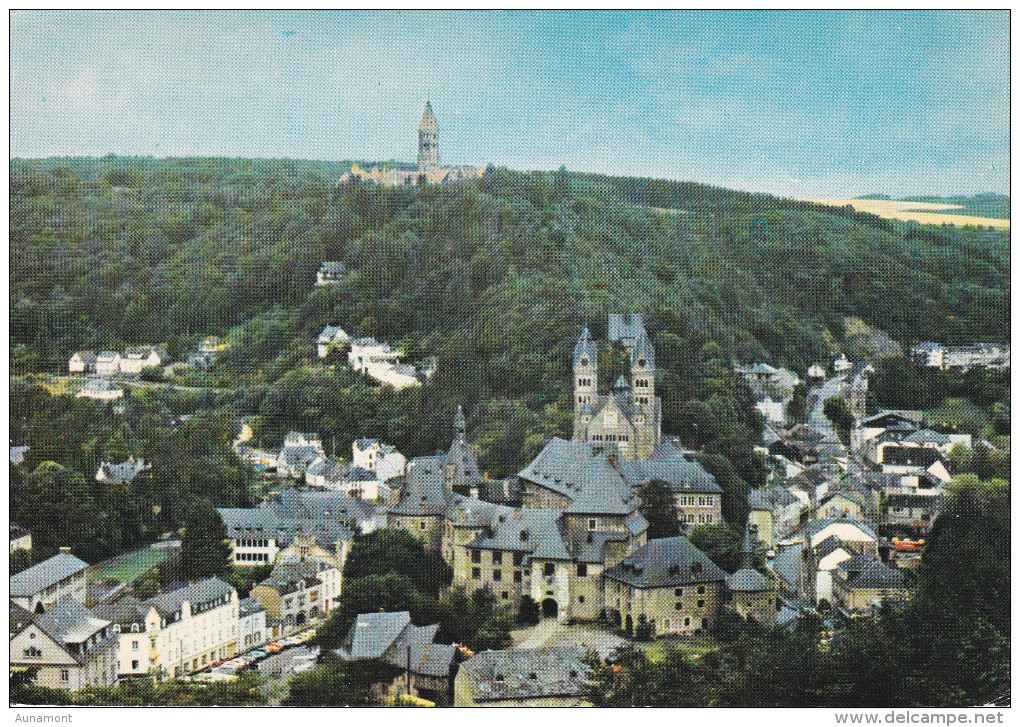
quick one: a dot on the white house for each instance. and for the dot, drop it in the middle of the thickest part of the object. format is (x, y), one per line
(136, 358)
(330, 336)
(190, 628)
(368, 352)
(928, 354)
(43, 584)
(251, 626)
(127, 616)
(816, 372)
(841, 364)
(383, 459)
(69, 646)
(125, 471)
(82, 362)
(331, 272)
(108, 363)
(100, 390)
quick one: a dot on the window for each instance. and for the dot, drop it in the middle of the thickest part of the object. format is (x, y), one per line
(65, 675)
(701, 519)
(517, 576)
(518, 557)
(33, 653)
(476, 556)
(582, 570)
(134, 664)
(506, 595)
(687, 621)
(679, 607)
(550, 569)
(134, 646)
(592, 523)
(701, 603)
(701, 590)
(704, 623)
(497, 575)
(497, 556)
(679, 592)
(476, 573)
(580, 599)
(708, 519)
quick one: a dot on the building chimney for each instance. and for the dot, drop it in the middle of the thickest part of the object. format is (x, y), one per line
(65, 548)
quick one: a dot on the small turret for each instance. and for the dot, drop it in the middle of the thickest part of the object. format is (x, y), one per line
(460, 423)
(586, 373)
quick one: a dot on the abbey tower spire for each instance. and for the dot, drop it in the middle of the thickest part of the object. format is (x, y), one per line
(428, 140)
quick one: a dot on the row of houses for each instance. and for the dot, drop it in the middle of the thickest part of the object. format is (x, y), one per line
(374, 358)
(963, 358)
(112, 363)
(171, 634)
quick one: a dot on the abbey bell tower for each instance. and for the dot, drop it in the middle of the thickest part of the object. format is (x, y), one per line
(428, 140)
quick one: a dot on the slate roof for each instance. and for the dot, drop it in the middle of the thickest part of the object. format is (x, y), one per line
(769, 498)
(372, 634)
(426, 656)
(787, 563)
(643, 349)
(328, 334)
(529, 530)
(19, 619)
(18, 532)
(681, 475)
(248, 606)
(125, 471)
(69, 622)
(198, 594)
(125, 611)
(364, 444)
(428, 119)
(300, 455)
(331, 267)
(286, 577)
(870, 573)
(924, 436)
(107, 356)
(425, 491)
(98, 386)
(43, 575)
(666, 562)
(911, 456)
(625, 328)
(86, 357)
(600, 490)
(585, 348)
(519, 674)
(748, 580)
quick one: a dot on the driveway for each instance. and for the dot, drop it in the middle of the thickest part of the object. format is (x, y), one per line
(550, 632)
(278, 669)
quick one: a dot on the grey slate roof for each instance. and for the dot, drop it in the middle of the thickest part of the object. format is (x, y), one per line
(585, 348)
(125, 471)
(925, 436)
(600, 489)
(911, 456)
(625, 328)
(86, 357)
(666, 562)
(372, 634)
(643, 349)
(770, 498)
(248, 606)
(43, 575)
(124, 611)
(682, 476)
(870, 573)
(286, 577)
(425, 492)
(517, 674)
(68, 622)
(200, 594)
(534, 531)
(748, 580)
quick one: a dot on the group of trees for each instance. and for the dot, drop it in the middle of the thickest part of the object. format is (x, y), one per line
(948, 646)
(389, 570)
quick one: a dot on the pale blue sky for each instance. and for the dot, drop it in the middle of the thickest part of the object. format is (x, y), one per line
(790, 102)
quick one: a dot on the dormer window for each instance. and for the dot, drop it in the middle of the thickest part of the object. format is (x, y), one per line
(641, 362)
(584, 362)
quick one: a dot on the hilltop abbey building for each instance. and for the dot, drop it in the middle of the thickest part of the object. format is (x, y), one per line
(428, 172)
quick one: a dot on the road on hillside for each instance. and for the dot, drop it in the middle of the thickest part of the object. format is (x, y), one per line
(137, 383)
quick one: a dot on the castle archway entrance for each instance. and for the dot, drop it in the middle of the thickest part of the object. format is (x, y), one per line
(550, 609)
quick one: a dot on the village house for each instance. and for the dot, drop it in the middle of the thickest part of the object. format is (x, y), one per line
(804, 562)
(82, 362)
(841, 364)
(136, 358)
(21, 539)
(190, 628)
(251, 624)
(100, 390)
(860, 583)
(428, 667)
(383, 459)
(108, 363)
(331, 272)
(298, 592)
(298, 452)
(127, 471)
(127, 618)
(666, 583)
(752, 594)
(775, 512)
(357, 482)
(38, 587)
(259, 535)
(70, 647)
(330, 336)
(962, 358)
(551, 676)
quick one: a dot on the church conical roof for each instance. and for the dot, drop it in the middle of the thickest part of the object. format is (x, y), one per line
(428, 119)
(459, 423)
(621, 384)
(585, 348)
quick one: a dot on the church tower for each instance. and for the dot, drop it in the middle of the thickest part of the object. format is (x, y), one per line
(428, 140)
(647, 417)
(586, 383)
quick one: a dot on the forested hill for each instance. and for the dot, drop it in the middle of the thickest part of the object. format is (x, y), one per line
(500, 272)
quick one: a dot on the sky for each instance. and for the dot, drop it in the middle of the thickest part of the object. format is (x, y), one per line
(797, 103)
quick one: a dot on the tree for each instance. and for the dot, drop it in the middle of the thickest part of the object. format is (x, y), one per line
(837, 411)
(340, 684)
(658, 505)
(394, 551)
(528, 613)
(721, 543)
(204, 548)
(796, 407)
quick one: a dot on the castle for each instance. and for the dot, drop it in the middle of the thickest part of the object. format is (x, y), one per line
(628, 418)
(428, 170)
(578, 544)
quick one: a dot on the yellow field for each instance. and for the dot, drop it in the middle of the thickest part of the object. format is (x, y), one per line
(892, 209)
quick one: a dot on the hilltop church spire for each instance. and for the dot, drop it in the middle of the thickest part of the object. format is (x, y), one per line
(428, 140)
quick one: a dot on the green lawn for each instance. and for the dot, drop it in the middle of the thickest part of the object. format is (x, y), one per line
(127, 567)
(693, 646)
(961, 413)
